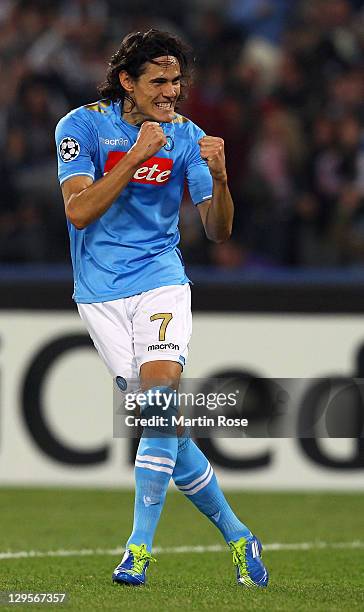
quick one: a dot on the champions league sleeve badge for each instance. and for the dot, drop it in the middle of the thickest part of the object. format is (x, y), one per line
(69, 149)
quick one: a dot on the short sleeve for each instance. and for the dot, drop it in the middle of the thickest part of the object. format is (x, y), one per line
(76, 145)
(198, 175)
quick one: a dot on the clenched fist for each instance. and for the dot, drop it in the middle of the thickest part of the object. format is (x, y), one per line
(150, 139)
(212, 150)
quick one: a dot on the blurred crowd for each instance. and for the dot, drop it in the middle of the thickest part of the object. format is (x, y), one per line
(282, 81)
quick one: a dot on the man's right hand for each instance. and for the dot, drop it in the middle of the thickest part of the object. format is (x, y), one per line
(151, 139)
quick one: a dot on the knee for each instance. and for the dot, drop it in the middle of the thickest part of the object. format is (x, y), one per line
(160, 400)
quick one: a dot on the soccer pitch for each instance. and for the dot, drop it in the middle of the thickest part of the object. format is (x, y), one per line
(70, 540)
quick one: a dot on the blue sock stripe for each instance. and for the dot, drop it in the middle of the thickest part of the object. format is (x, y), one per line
(155, 468)
(195, 482)
(158, 460)
(203, 484)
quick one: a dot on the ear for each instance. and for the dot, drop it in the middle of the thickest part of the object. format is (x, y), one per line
(126, 81)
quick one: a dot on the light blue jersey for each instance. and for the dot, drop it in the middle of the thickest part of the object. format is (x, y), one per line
(133, 247)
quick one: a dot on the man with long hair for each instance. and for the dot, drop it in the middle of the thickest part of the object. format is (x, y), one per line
(123, 162)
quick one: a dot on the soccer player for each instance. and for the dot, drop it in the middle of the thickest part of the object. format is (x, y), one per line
(123, 162)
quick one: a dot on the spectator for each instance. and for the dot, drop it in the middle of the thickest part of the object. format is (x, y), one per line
(347, 229)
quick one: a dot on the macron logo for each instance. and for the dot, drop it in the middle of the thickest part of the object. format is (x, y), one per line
(114, 141)
(154, 171)
(150, 501)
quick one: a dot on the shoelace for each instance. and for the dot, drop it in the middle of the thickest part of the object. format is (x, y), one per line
(140, 557)
(239, 557)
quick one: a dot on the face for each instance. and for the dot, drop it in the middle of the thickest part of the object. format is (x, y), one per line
(155, 92)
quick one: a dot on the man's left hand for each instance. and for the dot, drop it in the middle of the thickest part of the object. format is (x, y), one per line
(212, 151)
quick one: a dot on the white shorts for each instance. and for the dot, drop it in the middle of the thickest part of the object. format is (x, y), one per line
(151, 326)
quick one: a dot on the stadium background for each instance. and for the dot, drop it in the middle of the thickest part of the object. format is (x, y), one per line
(282, 82)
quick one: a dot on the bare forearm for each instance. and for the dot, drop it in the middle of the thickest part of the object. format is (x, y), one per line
(91, 203)
(218, 217)
(219, 220)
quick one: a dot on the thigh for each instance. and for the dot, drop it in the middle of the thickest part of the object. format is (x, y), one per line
(162, 325)
(156, 373)
(111, 331)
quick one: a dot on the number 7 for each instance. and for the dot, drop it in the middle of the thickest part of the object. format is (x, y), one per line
(167, 318)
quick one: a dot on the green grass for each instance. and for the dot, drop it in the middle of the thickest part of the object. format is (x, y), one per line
(322, 580)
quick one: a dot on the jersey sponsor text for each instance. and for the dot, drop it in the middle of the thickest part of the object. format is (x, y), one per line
(154, 171)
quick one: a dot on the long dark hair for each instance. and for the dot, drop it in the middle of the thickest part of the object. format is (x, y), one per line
(135, 51)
